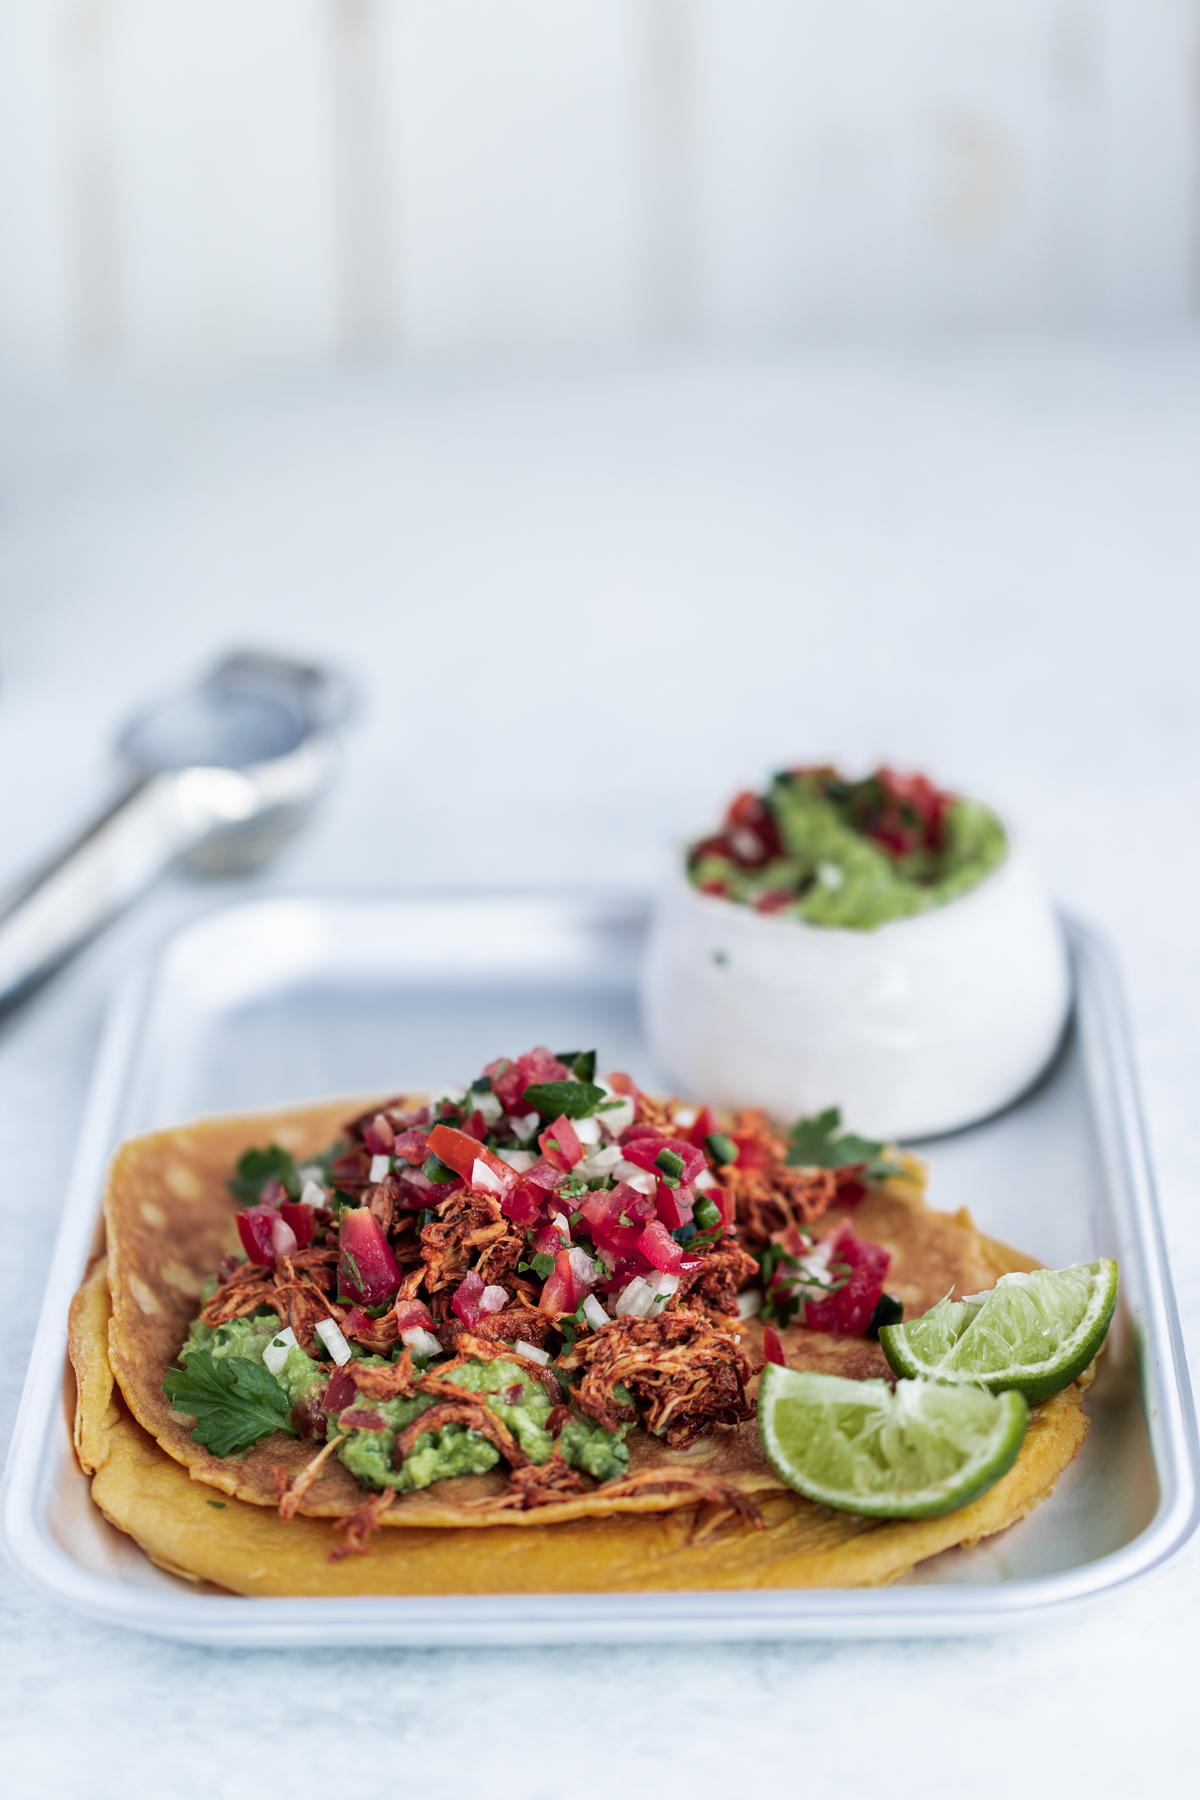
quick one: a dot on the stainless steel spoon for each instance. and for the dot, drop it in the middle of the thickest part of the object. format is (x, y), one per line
(219, 774)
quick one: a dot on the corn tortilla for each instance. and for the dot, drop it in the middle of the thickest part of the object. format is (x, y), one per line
(169, 1219)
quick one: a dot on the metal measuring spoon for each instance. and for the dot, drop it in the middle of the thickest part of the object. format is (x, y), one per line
(219, 774)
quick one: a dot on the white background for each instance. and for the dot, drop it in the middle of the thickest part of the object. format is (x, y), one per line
(582, 609)
(604, 384)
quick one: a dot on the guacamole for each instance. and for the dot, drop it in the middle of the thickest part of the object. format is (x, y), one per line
(849, 854)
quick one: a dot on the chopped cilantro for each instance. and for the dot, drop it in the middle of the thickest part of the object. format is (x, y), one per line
(218, 1504)
(565, 1099)
(816, 1144)
(539, 1264)
(235, 1401)
(256, 1167)
(582, 1063)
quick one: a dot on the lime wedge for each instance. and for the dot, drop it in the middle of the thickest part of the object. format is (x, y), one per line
(1034, 1333)
(914, 1453)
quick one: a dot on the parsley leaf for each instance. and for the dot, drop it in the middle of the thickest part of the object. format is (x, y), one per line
(256, 1167)
(235, 1401)
(816, 1144)
(569, 1099)
(582, 1063)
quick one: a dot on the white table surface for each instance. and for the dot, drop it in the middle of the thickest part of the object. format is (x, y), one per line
(584, 606)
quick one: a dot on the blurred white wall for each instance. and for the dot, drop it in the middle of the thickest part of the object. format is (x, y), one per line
(242, 185)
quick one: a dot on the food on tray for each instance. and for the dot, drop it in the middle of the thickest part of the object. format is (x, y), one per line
(879, 944)
(523, 1321)
(857, 854)
(1032, 1332)
(914, 1451)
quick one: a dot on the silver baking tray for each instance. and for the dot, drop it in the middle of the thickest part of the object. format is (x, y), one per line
(295, 999)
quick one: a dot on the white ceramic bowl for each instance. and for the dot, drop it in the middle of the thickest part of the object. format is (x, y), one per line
(917, 1027)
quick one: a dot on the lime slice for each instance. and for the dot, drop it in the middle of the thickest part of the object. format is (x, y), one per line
(1034, 1332)
(922, 1450)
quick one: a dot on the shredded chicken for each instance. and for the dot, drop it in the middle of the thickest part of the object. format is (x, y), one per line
(289, 1494)
(461, 1409)
(722, 1494)
(466, 1222)
(357, 1528)
(713, 1287)
(537, 1484)
(682, 1373)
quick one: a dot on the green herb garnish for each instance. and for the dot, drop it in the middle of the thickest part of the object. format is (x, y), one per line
(235, 1401)
(565, 1099)
(255, 1168)
(434, 1169)
(816, 1144)
(669, 1163)
(722, 1149)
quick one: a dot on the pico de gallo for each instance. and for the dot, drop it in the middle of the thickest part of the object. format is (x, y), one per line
(524, 1269)
(855, 854)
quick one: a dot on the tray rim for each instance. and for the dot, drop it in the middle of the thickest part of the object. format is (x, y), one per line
(478, 1620)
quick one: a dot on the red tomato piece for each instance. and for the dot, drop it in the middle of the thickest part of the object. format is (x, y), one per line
(367, 1270)
(413, 1147)
(659, 1247)
(772, 1347)
(558, 1295)
(751, 1154)
(674, 1205)
(254, 1229)
(379, 1136)
(410, 1313)
(301, 1220)
(460, 1152)
(604, 1212)
(560, 1144)
(706, 1124)
(645, 1152)
(523, 1203)
(848, 1312)
(467, 1295)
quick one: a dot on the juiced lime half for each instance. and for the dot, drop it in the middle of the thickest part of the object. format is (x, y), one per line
(1031, 1333)
(914, 1453)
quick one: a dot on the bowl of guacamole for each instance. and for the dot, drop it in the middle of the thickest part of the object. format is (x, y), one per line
(877, 942)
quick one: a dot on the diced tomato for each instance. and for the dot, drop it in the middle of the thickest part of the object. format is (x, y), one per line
(367, 1269)
(751, 1154)
(543, 1175)
(301, 1219)
(774, 900)
(620, 1083)
(254, 1229)
(523, 1203)
(379, 1136)
(560, 1144)
(413, 1147)
(510, 1078)
(659, 1247)
(340, 1392)
(355, 1322)
(460, 1152)
(558, 1293)
(632, 1133)
(415, 1198)
(475, 1125)
(631, 1264)
(645, 1152)
(465, 1304)
(410, 1313)
(549, 1240)
(850, 1189)
(751, 831)
(772, 1347)
(674, 1205)
(848, 1312)
(706, 1124)
(604, 1212)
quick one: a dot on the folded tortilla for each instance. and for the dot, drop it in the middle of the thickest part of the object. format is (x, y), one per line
(169, 1219)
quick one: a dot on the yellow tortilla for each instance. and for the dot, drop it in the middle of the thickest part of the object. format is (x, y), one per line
(169, 1219)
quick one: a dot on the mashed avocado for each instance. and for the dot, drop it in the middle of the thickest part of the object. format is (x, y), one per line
(249, 1337)
(456, 1450)
(850, 854)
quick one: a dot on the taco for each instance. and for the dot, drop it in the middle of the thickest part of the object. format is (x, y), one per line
(523, 1322)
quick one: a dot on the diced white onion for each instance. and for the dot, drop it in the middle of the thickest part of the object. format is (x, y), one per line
(524, 1126)
(664, 1284)
(312, 1195)
(493, 1299)
(311, 1172)
(276, 1352)
(749, 1303)
(453, 1094)
(488, 1104)
(330, 1335)
(587, 1130)
(532, 1352)
(283, 1238)
(621, 1117)
(420, 1341)
(485, 1178)
(642, 1180)
(582, 1266)
(520, 1160)
(599, 1162)
(595, 1314)
(635, 1299)
(561, 1224)
(686, 1116)
(705, 1179)
(380, 1166)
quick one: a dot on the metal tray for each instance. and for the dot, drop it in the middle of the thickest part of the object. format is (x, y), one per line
(297, 999)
